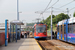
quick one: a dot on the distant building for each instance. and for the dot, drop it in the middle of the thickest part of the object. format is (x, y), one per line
(2, 26)
(23, 26)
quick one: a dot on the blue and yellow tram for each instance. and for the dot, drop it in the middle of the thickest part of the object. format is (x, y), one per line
(66, 30)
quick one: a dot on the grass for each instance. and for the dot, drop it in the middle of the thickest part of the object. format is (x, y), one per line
(49, 30)
(48, 33)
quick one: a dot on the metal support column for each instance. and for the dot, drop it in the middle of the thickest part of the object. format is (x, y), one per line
(6, 39)
(51, 23)
(16, 32)
(13, 32)
(67, 24)
(17, 9)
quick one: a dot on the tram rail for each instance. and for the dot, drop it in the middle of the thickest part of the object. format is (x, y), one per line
(55, 45)
(47, 45)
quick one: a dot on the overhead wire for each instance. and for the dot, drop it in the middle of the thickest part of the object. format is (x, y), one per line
(44, 10)
(58, 9)
(47, 6)
(66, 4)
(53, 4)
(41, 13)
(72, 8)
(55, 8)
(61, 6)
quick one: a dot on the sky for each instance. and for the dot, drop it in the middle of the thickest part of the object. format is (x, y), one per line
(8, 9)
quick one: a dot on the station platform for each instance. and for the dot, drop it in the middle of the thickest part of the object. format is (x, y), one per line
(22, 44)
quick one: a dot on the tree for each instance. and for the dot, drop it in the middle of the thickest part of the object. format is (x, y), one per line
(47, 21)
(55, 19)
(74, 14)
(61, 16)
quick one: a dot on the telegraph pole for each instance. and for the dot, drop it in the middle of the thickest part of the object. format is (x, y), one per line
(51, 21)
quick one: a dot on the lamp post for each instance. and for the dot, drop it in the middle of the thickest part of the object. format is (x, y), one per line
(17, 10)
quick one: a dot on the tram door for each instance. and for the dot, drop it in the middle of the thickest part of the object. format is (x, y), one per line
(59, 31)
(63, 32)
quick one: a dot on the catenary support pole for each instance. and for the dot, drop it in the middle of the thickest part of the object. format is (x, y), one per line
(67, 24)
(51, 22)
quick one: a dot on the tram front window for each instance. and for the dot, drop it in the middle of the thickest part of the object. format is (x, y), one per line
(40, 29)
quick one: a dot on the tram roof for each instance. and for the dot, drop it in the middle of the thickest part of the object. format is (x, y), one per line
(71, 20)
(39, 23)
(18, 22)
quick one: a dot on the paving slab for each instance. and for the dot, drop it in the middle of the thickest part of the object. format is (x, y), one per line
(23, 44)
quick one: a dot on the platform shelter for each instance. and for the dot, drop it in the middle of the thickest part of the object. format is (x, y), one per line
(15, 30)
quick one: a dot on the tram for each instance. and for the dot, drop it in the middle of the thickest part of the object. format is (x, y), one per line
(66, 30)
(40, 30)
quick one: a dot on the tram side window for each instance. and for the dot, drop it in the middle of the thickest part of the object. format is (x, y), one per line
(34, 29)
(74, 28)
(64, 29)
(70, 29)
(58, 28)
